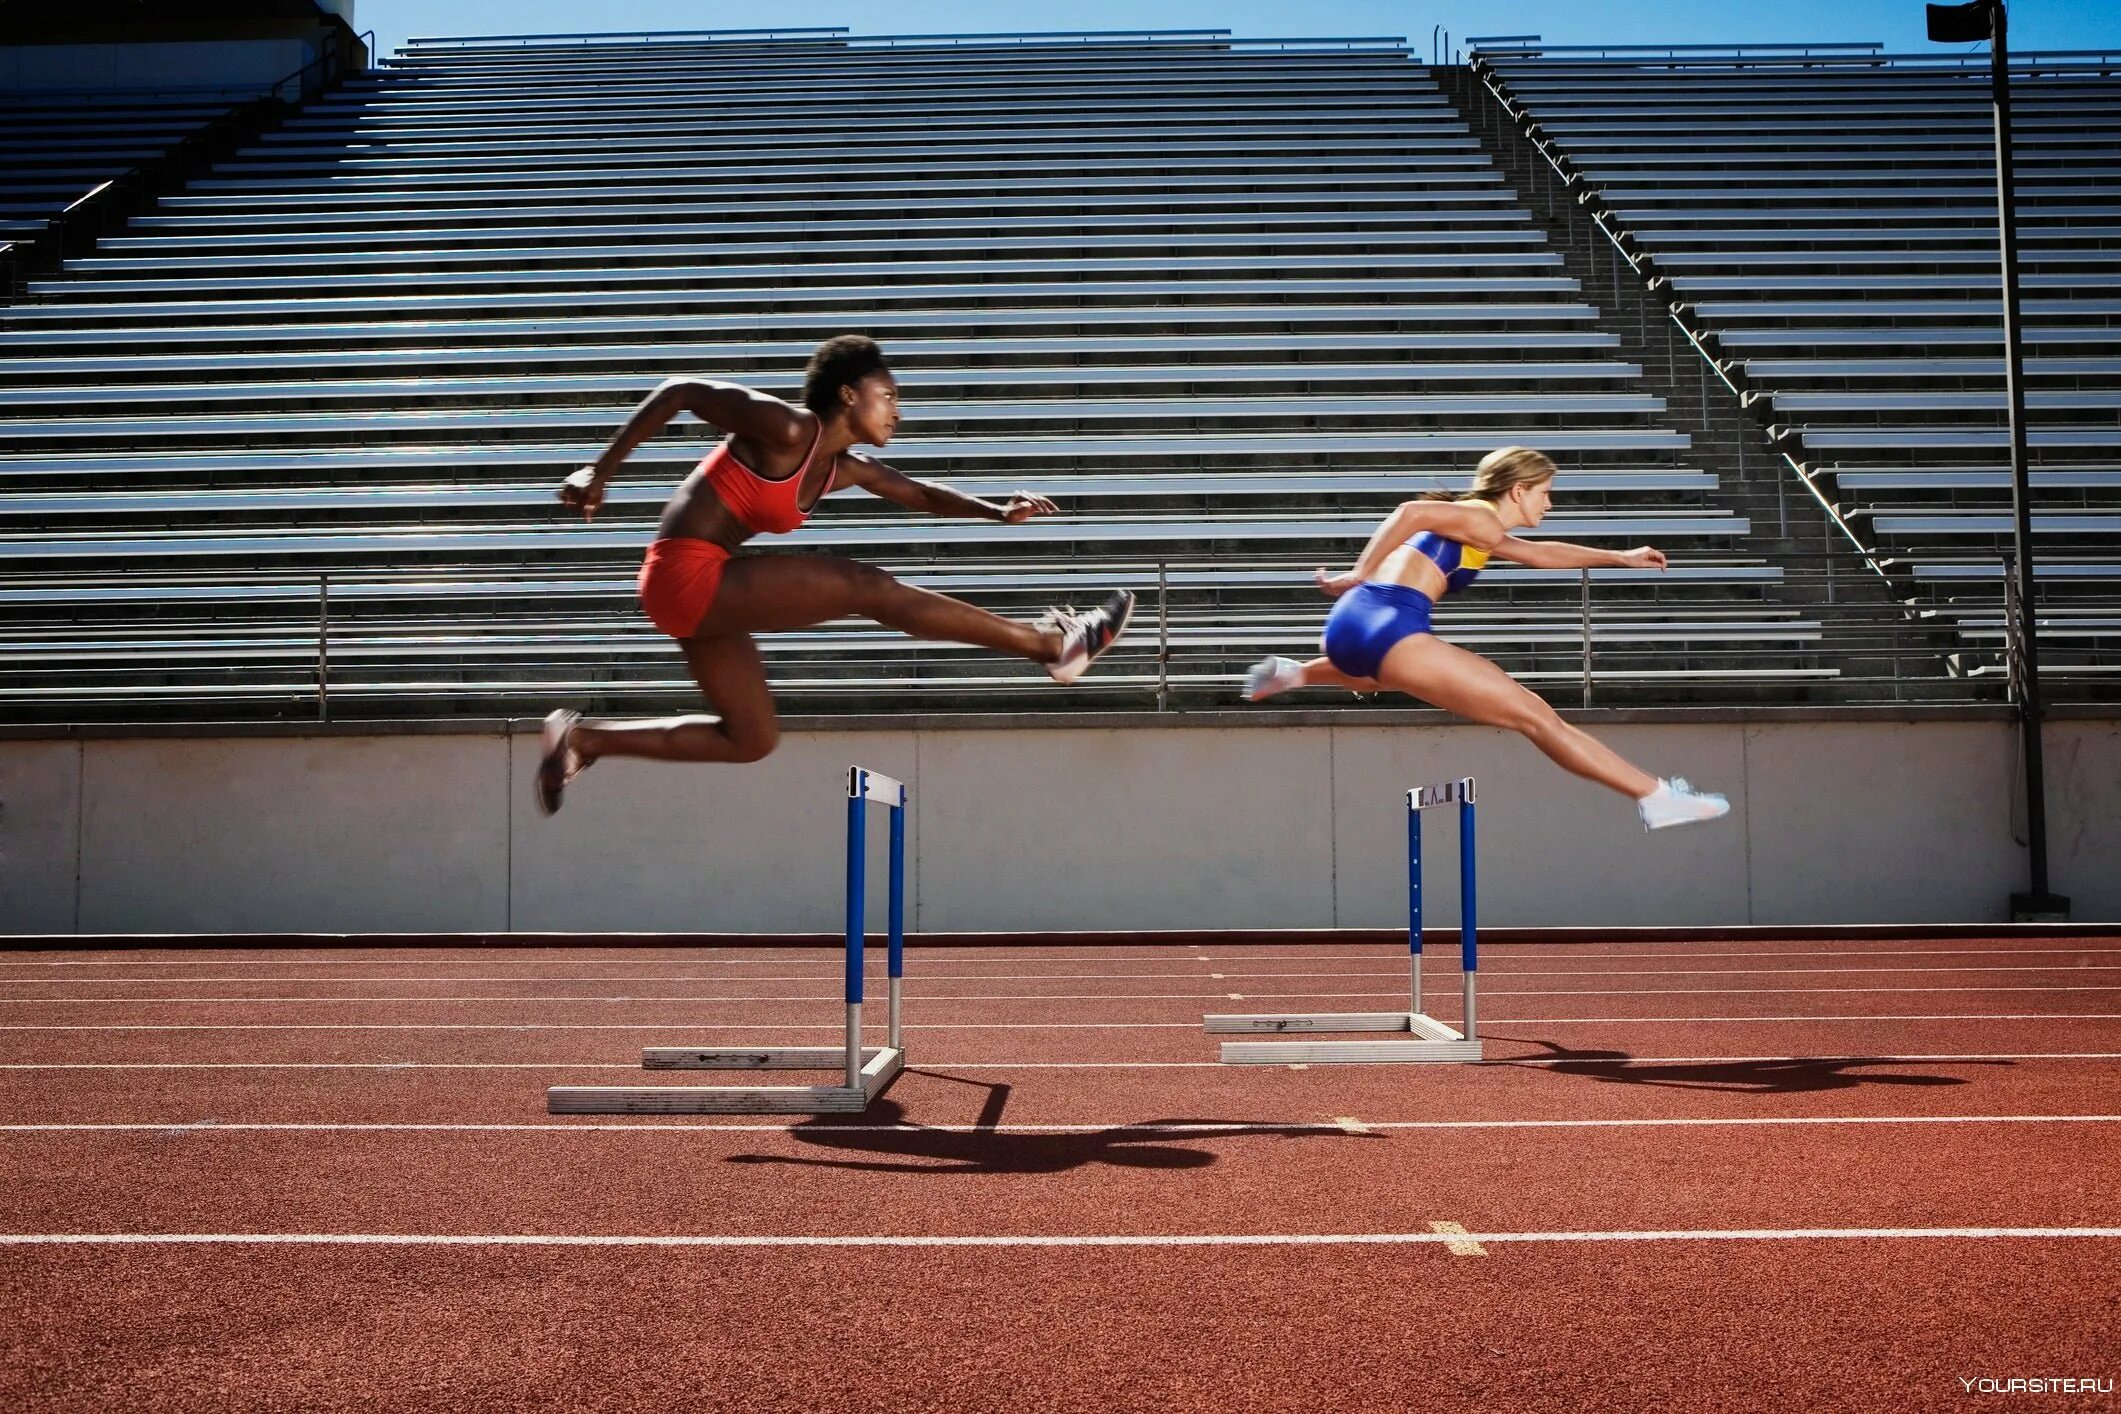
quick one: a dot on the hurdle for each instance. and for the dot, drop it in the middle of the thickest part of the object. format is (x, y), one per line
(1430, 1039)
(868, 1071)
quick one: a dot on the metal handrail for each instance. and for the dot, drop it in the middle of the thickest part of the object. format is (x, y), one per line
(237, 116)
(1643, 269)
(445, 40)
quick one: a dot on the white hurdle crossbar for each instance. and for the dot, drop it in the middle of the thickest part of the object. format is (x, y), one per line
(868, 1071)
(1430, 1039)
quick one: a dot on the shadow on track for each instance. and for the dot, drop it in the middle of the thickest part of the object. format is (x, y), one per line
(1783, 1075)
(985, 1148)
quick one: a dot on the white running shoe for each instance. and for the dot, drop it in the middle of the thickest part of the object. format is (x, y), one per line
(1674, 802)
(1085, 636)
(1271, 675)
(559, 762)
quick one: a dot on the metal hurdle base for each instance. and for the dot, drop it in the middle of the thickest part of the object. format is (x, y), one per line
(1427, 1038)
(880, 1066)
(865, 1071)
(1431, 1040)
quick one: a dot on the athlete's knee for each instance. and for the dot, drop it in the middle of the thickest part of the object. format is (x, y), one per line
(869, 588)
(754, 741)
(1530, 716)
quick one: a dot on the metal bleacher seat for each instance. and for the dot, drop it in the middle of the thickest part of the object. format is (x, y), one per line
(1227, 301)
(58, 145)
(1827, 221)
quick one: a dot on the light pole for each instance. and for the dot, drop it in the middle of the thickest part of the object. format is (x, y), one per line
(1966, 24)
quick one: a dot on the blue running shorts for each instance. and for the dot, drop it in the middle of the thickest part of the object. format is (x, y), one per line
(1368, 620)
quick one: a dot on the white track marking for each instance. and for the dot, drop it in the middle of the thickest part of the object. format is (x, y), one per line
(1011, 959)
(1444, 967)
(1904, 1059)
(1336, 1126)
(694, 1024)
(1262, 1239)
(1087, 998)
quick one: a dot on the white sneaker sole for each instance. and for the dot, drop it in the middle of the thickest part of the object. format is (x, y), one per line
(1064, 674)
(554, 736)
(1699, 817)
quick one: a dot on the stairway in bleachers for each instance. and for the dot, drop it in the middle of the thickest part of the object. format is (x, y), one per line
(1228, 302)
(1827, 224)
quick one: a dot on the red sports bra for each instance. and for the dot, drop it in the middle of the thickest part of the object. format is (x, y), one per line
(765, 505)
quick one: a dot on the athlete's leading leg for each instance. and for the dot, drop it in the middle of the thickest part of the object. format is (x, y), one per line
(774, 593)
(1424, 666)
(762, 594)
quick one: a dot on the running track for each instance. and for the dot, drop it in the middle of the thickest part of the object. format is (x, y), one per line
(1711, 1175)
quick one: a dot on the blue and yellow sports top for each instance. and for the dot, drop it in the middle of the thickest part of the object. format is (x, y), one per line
(1461, 564)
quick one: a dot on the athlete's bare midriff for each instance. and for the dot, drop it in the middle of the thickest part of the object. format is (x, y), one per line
(695, 512)
(1410, 569)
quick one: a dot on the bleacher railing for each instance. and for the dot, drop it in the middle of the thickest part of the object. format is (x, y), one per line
(108, 205)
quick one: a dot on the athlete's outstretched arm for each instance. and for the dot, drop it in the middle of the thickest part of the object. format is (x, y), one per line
(1562, 555)
(880, 479)
(751, 416)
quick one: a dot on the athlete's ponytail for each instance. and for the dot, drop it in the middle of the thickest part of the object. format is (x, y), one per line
(1498, 472)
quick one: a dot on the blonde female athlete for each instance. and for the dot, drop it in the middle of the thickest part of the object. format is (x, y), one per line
(765, 479)
(1378, 634)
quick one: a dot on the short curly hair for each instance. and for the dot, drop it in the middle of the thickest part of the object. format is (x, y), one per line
(839, 362)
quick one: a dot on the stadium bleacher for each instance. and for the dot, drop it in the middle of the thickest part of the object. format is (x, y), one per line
(1826, 223)
(1227, 301)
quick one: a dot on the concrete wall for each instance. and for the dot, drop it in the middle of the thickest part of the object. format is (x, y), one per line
(1267, 825)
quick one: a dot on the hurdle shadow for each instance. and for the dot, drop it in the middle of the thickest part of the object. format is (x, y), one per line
(1776, 1076)
(885, 1141)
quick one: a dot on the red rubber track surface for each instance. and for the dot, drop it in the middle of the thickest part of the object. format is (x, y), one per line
(1692, 1175)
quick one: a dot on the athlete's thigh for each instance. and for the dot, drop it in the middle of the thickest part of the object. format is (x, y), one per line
(774, 593)
(1447, 676)
(732, 677)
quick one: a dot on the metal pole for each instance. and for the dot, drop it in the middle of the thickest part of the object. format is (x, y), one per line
(1586, 638)
(1782, 505)
(2011, 661)
(1414, 900)
(1468, 901)
(898, 915)
(2039, 900)
(323, 647)
(1163, 636)
(857, 846)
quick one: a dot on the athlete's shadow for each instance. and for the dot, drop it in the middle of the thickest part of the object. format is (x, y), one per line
(1783, 1075)
(894, 1144)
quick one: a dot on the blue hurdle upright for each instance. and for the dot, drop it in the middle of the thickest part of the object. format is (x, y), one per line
(1429, 1039)
(867, 1071)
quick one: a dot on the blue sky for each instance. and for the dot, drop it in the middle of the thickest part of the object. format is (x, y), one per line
(2035, 24)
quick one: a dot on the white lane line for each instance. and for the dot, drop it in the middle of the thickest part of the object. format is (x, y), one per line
(1373, 952)
(694, 1024)
(1218, 1239)
(926, 998)
(1336, 1126)
(1907, 1058)
(1602, 1062)
(1444, 967)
